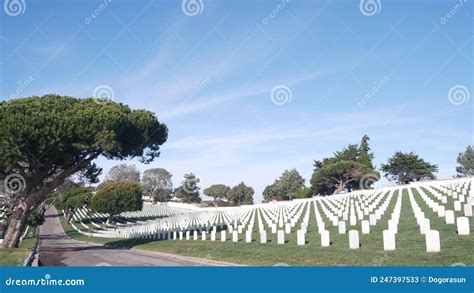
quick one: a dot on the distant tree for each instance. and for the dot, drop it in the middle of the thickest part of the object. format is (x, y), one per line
(72, 198)
(123, 172)
(241, 194)
(288, 186)
(188, 192)
(335, 177)
(408, 167)
(365, 157)
(117, 197)
(217, 191)
(270, 193)
(466, 162)
(157, 184)
(329, 176)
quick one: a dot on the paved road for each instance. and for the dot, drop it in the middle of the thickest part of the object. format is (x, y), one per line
(56, 249)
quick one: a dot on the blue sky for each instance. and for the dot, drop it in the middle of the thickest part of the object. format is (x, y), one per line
(401, 73)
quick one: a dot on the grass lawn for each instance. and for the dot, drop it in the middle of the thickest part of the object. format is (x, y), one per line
(455, 250)
(16, 256)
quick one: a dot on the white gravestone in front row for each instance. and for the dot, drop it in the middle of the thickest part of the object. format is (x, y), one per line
(203, 235)
(300, 237)
(263, 236)
(354, 239)
(325, 239)
(388, 240)
(223, 235)
(195, 235)
(248, 236)
(213, 235)
(432, 241)
(281, 237)
(235, 236)
(463, 226)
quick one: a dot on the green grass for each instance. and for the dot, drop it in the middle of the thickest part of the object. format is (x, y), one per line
(16, 256)
(410, 244)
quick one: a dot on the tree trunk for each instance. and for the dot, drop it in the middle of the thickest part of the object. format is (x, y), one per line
(341, 186)
(17, 222)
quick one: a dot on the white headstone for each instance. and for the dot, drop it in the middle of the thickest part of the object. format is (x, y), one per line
(188, 235)
(300, 237)
(274, 228)
(441, 211)
(223, 235)
(235, 236)
(463, 226)
(203, 235)
(325, 239)
(213, 235)
(263, 236)
(180, 235)
(195, 235)
(372, 219)
(175, 235)
(449, 217)
(353, 220)
(281, 237)
(424, 226)
(287, 228)
(248, 236)
(388, 240)
(468, 210)
(365, 227)
(457, 206)
(354, 242)
(432, 241)
(342, 227)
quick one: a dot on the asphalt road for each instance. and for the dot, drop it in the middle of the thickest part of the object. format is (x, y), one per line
(56, 249)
